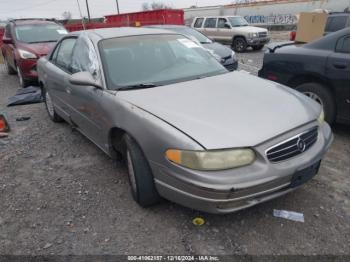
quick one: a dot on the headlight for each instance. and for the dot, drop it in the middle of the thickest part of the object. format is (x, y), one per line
(233, 55)
(253, 35)
(321, 118)
(211, 160)
(26, 54)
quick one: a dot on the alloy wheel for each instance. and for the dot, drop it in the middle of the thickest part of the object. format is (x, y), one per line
(314, 97)
(49, 104)
(20, 76)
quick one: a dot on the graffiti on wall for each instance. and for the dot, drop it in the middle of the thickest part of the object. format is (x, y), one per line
(280, 19)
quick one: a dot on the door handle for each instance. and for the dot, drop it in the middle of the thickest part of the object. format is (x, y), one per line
(340, 65)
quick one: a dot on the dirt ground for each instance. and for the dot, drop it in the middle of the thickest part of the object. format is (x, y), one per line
(59, 194)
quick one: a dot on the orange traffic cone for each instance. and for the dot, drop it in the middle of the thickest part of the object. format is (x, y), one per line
(4, 126)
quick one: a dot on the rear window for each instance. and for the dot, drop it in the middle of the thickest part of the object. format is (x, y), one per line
(39, 33)
(336, 23)
(199, 23)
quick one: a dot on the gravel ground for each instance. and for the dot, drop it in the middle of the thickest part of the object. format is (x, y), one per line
(61, 195)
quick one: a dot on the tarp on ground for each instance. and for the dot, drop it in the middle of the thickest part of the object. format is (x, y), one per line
(28, 95)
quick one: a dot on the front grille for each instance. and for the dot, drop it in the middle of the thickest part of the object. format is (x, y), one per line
(293, 146)
(263, 34)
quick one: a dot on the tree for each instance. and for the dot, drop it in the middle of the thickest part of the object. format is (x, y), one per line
(155, 6)
(67, 15)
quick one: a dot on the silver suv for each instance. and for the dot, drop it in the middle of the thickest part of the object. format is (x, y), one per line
(234, 30)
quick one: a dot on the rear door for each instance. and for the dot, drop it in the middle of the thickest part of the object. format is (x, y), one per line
(338, 70)
(210, 28)
(57, 76)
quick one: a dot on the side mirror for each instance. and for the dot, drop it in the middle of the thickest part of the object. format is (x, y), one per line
(7, 41)
(84, 79)
(227, 25)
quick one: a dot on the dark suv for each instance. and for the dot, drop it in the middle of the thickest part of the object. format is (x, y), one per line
(24, 42)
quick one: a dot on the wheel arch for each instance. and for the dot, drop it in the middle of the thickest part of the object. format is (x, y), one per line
(311, 78)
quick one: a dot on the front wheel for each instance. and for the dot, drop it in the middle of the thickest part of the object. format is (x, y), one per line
(239, 44)
(258, 47)
(50, 107)
(22, 82)
(321, 95)
(140, 175)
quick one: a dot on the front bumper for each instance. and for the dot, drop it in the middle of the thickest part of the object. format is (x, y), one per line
(258, 41)
(232, 190)
(231, 66)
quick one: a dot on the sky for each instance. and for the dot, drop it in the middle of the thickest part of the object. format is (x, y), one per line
(98, 8)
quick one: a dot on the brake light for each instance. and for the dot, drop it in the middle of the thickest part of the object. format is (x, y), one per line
(4, 127)
(272, 77)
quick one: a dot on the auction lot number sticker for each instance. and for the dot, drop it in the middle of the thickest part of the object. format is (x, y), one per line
(173, 258)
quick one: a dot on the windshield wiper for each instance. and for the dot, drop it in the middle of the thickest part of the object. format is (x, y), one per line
(138, 86)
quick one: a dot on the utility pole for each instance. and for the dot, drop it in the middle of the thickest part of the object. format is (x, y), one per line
(117, 6)
(88, 10)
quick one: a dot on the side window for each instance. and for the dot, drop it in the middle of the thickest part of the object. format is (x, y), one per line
(199, 23)
(8, 31)
(222, 23)
(64, 54)
(336, 23)
(346, 45)
(84, 58)
(210, 23)
(54, 54)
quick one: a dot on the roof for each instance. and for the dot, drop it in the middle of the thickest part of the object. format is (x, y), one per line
(165, 26)
(106, 33)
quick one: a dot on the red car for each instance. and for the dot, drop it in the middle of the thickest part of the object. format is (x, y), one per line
(24, 42)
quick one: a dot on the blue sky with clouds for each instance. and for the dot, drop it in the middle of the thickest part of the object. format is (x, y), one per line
(55, 8)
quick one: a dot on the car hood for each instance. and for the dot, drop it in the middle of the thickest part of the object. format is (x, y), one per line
(40, 49)
(249, 29)
(218, 49)
(227, 111)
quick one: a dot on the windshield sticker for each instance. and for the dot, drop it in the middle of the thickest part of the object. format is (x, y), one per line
(188, 43)
(62, 32)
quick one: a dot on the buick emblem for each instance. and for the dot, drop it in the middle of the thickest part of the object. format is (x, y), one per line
(301, 145)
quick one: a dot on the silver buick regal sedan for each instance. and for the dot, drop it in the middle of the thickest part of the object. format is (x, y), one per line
(189, 130)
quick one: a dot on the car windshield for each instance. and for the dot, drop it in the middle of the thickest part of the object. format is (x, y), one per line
(152, 60)
(193, 34)
(238, 21)
(39, 33)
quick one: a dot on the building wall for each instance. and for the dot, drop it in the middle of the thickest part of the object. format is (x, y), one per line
(269, 12)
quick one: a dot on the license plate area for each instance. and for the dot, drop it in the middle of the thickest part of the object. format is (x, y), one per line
(304, 175)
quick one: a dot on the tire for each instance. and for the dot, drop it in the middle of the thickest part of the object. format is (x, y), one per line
(239, 44)
(50, 107)
(140, 175)
(22, 82)
(258, 47)
(323, 96)
(9, 69)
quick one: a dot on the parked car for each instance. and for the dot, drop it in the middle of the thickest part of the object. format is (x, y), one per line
(335, 22)
(24, 42)
(320, 69)
(234, 30)
(190, 130)
(223, 54)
